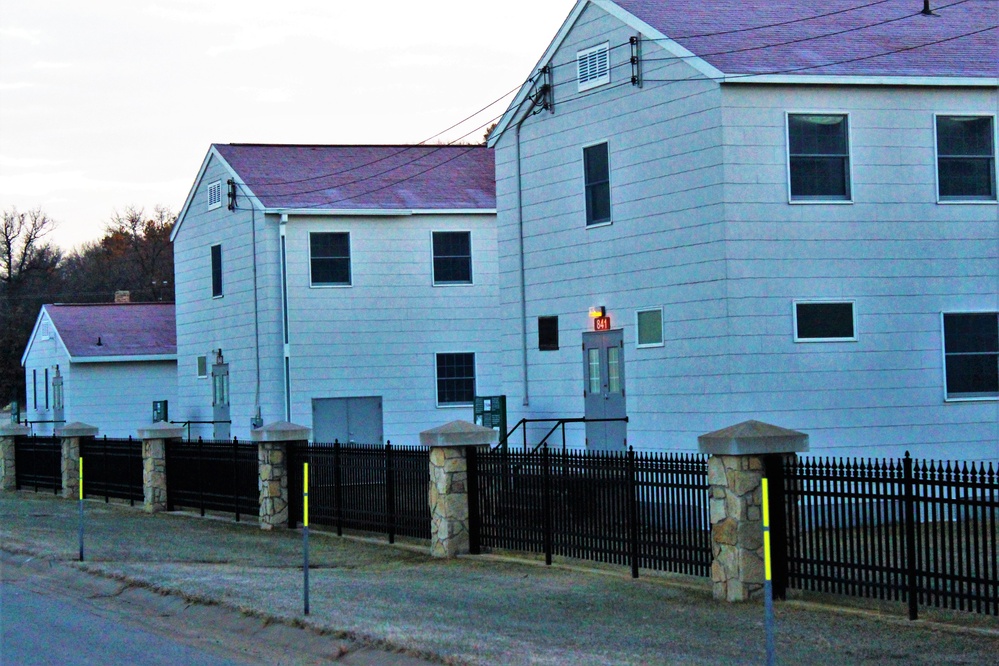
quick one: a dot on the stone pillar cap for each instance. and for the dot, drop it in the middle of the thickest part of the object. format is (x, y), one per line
(162, 430)
(13, 429)
(752, 437)
(76, 429)
(281, 431)
(459, 433)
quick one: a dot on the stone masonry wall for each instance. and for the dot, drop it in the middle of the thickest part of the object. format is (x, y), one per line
(154, 488)
(8, 479)
(273, 461)
(71, 467)
(737, 572)
(448, 502)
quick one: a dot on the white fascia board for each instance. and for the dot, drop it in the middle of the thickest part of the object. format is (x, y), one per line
(525, 89)
(212, 152)
(376, 212)
(818, 79)
(42, 314)
(122, 359)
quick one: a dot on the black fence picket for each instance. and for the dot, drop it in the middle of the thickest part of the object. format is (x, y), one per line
(113, 468)
(642, 510)
(213, 475)
(923, 533)
(370, 488)
(38, 463)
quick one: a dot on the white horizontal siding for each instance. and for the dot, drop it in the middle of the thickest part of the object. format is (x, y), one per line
(118, 398)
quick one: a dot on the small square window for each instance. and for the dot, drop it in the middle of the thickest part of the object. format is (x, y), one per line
(455, 379)
(824, 321)
(593, 66)
(971, 355)
(216, 271)
(818, 157)
(215, 195)
(548, 333)
(329, 258)
(202, 367)
(596, 170)
(452, 257)
(650, 327)
(966, 162)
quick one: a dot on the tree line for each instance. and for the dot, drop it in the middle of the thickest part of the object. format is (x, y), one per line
(133, 255)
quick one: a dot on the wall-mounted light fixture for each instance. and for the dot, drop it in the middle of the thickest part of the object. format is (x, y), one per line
(597, 312)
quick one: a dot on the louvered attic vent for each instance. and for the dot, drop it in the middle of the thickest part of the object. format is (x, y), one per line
(594, 66)
(215, 195)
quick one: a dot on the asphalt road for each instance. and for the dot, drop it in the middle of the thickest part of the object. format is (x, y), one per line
(53, 614)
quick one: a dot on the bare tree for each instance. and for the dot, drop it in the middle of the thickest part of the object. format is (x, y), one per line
(22, 249)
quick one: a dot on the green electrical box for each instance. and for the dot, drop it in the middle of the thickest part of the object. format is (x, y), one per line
(490, 412)
(159, 411)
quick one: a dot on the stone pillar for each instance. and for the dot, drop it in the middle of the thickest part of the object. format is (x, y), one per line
(71, 434)
(154, 478)
(272, 456)
(449, 519)
(735, 472)
(8, 471)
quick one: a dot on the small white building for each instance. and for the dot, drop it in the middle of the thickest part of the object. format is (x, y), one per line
(786, 212)
(100, 364)
(351, 289)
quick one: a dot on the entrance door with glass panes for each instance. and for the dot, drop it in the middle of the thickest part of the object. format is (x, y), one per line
(220, 401)
(603, 390)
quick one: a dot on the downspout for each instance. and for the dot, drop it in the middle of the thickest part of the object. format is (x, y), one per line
(523, 278)
(256, 319)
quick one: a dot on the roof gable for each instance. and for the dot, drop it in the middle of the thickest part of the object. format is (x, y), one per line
(365, 177)
(125, 330)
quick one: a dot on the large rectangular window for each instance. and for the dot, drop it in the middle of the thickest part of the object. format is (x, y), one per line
(596, 170)
(971, 355)
(824, 322)
(329, 258)
(818, 157)
(452, 257)
(966, 158)
(455, 379)
(216, 271)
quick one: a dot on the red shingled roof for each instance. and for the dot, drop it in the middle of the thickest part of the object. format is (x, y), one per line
(870, 38)
(366, 177)
(124, 329)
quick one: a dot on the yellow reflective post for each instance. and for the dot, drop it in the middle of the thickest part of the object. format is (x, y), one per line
(768, 590)
(305, 533)
(81, 508)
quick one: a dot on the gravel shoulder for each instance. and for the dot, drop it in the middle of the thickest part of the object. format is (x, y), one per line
(473, 610)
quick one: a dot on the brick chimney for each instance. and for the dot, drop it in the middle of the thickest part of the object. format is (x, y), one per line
(122, 297)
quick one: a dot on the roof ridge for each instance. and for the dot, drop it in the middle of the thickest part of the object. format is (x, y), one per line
(355, 145)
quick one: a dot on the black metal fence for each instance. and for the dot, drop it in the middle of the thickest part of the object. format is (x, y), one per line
(925, 533)
(216, 475)
(38, 463)
(112, 468)
(370, 488)
(646, 510)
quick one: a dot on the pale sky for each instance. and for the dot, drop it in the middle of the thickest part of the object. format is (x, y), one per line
(113, 103)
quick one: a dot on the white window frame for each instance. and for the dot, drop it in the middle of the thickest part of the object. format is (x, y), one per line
(197, 367)
(221, 292)
(610, 182)
(995, 159)
(475, 379)
(662, 329)
(471, 259)
(787, 155)
(215, 195)
(595, 82)
(350, 259)
(943, 358)
(823, 301)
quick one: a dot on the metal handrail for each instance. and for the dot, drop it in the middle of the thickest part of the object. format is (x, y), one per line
(505, 439)
(188, 424)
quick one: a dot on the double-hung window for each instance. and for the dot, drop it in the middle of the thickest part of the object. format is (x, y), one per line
(818, 157)
(329, 259)
(452, 257)
(966, 158)
(216, 271)
(596, 171)
(971, 355)
(455, 379)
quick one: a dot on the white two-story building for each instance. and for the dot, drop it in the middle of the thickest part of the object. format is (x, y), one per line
(782, 211)
(351, 289)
